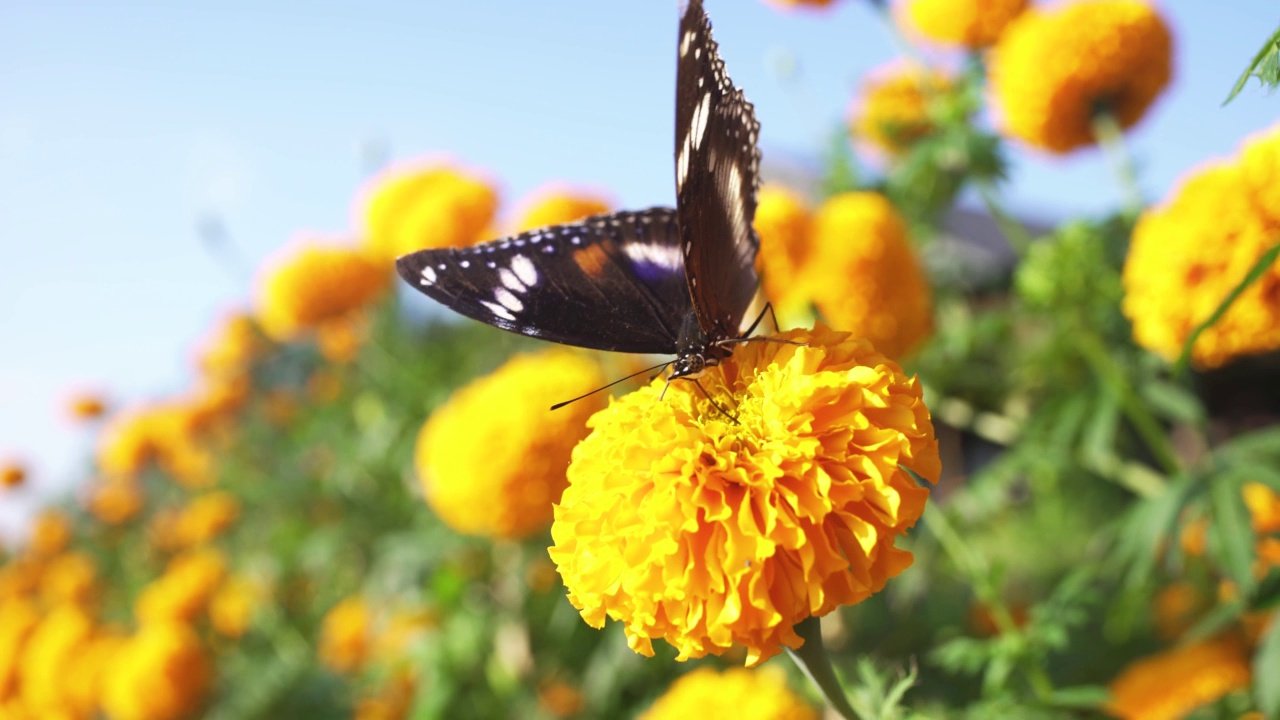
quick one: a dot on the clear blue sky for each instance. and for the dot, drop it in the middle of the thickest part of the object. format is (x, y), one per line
(123, 123)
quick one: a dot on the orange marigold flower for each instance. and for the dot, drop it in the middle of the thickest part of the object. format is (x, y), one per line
(967, 23)
(339, 340)
(559, 699)
(733, 693)
(346, 636)
(182, 593)
(206, 517)
(1264, 507)
(1176, 607)
(160, 673)
(231, 346)
(18, 619)
(423, 206)
(58, 639)
(893, 109)
(50, 533)
(864, 276)
(69, 578)
(393, 701)
(86, 675)
(12, 474)
(497, 474)
(314, 283)
(1190, 251)
(556, 206)
(1053, 70)
(687, 526)
(1173, 683)
(231, 608)
(783, 222)
(86, 406)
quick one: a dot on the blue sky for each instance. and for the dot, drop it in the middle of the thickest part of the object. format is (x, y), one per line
(122, 124)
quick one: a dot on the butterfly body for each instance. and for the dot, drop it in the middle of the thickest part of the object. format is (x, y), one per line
(662, 281)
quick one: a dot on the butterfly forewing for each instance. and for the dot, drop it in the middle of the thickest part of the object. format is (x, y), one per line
(717, 170)
(610, 282)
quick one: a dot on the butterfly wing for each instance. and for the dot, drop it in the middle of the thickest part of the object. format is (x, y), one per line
(717, 170)
(609, 282)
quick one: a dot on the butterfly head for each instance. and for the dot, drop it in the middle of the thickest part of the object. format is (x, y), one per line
(691, 364)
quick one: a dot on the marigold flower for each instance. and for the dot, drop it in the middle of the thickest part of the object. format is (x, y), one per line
(85, 676)
(418, 207)
(231, 608)
(557, 206)
(56, 641)
(893, 110)
(492, 459)
(50, 533)
(1176, 607)
(231, 346)
(18, 619)
(69, 578)
(20, 576)
(1173, 683)
(86, 406)
(784, 223)
(967, 23)
(12, 474)
(1190, 251)
(115, 501)
(182, 593)
(559, 699)
(864, 276)
(733, 693)
(346, 636)
(160, 673)
(339, 340)
(687, 526)
(1053, 70)
(314, 283)
(1264, 507)
(206, 517)
(393, 701)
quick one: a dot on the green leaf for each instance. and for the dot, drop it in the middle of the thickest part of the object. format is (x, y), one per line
(1149, 524)
(1266, 667)
(1080, 697)
(1230, 533)
(1258, 270)
(1265, 67)
(1173, 402)
(1262, 444)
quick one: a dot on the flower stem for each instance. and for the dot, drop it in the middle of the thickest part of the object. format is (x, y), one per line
(1014, 232)
(1111, 138)
(812, 658)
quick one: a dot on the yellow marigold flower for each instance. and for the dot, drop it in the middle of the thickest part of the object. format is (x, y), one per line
(559, 699)
(556, 206)
(69, 578)
(394, 698)
(86, 675)
(892, 111)
(735, 693)
(20, 576)
(339, 340)
(1191, 250)
(182, 593)
(1264, 507)
(12, 474)
(87, 406)
(864, 276)
(346, 636)
(314, 283)
(160, 673)
(784, 223)
(1054, 69)
(206, 517)
(1173, 683)
(18, 619)
(497, 474)
(231, 608)
(56, 641)
(419, 207)
(231, 346)
(708, 533)
(115, 501)
(50, 533)
(967, 23)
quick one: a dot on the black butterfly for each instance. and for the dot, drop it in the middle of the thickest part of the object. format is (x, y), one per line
(657, 281)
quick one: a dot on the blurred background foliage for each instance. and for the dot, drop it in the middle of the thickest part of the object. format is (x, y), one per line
(1105, 538)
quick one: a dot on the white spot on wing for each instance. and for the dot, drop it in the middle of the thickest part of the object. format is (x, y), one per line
(525, 270)
(498, 310)
(509, 279)
(701, 114)
(684, 43)
(509, 301)
(428, 276)
(664, 256)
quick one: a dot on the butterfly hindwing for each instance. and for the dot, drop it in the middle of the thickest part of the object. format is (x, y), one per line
(609, 282)
(717, 171)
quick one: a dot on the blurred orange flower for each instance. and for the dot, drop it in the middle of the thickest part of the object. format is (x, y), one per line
(87, 406)
(231, 346)
(160, 673)
(784, 223)
(893, 110)
(206, 517)
(12, 474)
(69, 578)
(556, 206)
(967, 23)
(732, 693)
(313, 283)
(50, 533)
(426, 206)
(183, 592)
(346, 635)
(55, 642)
(1173, 683)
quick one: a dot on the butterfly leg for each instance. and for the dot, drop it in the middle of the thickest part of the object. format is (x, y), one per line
(713, 402)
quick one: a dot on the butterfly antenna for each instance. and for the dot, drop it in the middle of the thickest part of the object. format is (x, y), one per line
(559, 405)
(713, 402)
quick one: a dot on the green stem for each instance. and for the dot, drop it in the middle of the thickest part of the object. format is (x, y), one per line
(1013, 231)
(812, 658)
(1111, 138)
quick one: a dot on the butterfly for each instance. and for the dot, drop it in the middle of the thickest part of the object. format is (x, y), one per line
(658, 281)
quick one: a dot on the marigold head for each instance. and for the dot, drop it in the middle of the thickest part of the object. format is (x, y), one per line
(1173, 683)
(206, 517)
(1190, 251)
(784, 223)
(12, 474)
(231, 609)
(315, 283)
(50, 533)
(346, 635)
(69, 578)
(556, 206)
(1053, 70)
(966, 23)
(688, 526)
(182, 593)
(86, 406)
(864, 276)
(735, 692)
(426, 206)
(492, 459)
(57, 640)
(893, 109)
(231, 346)
(21, 617)
(160, 673)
